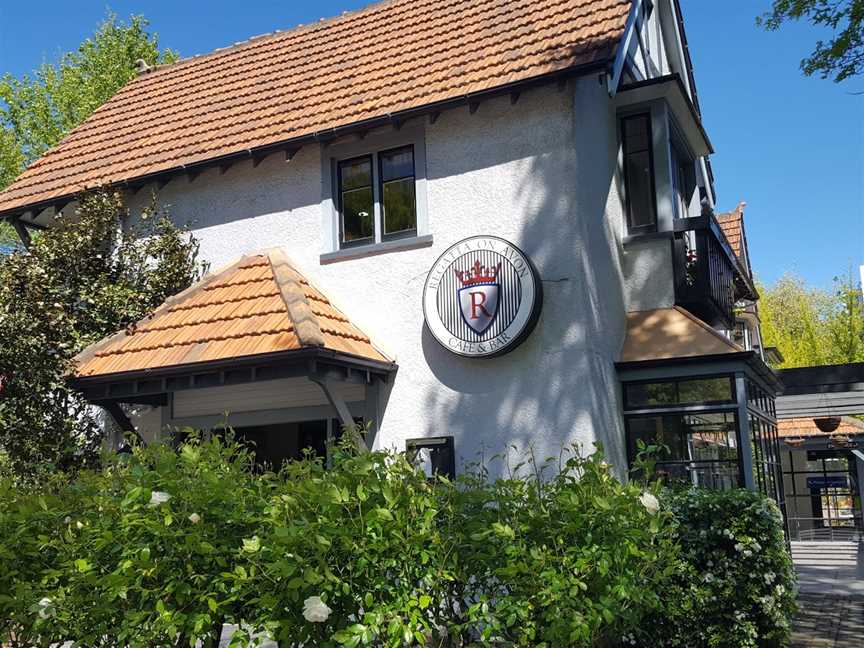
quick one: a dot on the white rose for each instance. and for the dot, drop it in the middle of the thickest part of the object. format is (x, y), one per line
(78, 525)
(157, 498)
(46, 608)
(194, 518)
(67, 520)
(315, 610)
(650, 503)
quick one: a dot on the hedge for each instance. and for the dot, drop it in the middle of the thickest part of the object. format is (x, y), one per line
(162, 547)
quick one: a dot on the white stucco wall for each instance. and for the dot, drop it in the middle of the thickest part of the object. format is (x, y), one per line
(540, 173)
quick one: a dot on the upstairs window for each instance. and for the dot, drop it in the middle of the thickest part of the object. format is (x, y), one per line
(639, 173)
(356, 201)
(377, 198)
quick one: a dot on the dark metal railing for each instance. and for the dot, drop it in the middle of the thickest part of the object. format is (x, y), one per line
(709, 278)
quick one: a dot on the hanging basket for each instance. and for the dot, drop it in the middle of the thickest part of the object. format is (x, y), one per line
(827, 423)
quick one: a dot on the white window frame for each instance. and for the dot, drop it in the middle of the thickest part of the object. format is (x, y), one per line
(372, 145)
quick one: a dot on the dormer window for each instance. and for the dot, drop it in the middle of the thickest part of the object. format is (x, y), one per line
(377, 198)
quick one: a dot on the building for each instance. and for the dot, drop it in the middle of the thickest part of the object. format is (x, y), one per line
(470, 225)
(822, 450)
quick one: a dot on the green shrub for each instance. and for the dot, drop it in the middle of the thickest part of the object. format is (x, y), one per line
(735, 584)
(397, 561)
(132, 552)
(162, 547)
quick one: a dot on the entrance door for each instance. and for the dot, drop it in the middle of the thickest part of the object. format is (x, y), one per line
(274, 444)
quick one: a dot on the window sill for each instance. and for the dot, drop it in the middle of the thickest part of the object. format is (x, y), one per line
(645, 236)
(373, 249)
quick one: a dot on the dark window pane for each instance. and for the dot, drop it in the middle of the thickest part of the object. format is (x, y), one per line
(358, 221)
(355, 173)
(638, 172)
(636, 132)
(705, 390)
(400, 213)
(641, 394)
(639, 183)
(396, 164)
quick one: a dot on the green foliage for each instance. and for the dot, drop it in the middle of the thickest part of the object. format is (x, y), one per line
(843, 55)
(162, 547)
(37, 112)
(570, 561)
(92, 274)
(132, 552)
(812, 326)
(735, 585)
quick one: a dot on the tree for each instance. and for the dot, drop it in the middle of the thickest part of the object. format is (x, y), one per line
(843, 55)
(811, 326)
(37, 111)
(92, 274)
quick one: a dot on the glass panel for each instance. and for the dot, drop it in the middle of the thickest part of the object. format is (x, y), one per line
(358, 221)
(702, 448)
(397, 164)
(639, 184)
(638, 171)
(642, 394)
(399, 206)
(636, 132)
(356, 173)
(705, 390)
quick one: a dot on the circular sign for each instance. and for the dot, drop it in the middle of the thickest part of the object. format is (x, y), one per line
(482, 297)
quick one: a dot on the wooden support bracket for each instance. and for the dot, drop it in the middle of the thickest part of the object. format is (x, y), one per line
(337, 403)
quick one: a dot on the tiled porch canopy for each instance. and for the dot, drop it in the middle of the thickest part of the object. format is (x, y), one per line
(259, 319)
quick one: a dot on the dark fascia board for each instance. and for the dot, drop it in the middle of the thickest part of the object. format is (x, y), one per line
(824, 379)
(333, 133)
(675, 79)
(749, 359)
(297, 356)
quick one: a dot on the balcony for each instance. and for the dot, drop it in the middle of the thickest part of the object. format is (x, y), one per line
(709, 278)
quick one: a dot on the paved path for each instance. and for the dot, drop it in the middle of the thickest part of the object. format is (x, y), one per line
(831, 598)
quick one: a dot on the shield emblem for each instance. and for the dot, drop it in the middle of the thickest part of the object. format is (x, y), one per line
(479, 305)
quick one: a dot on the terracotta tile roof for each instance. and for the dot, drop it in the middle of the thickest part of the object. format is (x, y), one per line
(259, 305)
(671, 333)
(386, 58)
(732, 224)
(805, 427)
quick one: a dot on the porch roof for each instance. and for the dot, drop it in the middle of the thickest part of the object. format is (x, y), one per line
(259, 307)
(666, 333)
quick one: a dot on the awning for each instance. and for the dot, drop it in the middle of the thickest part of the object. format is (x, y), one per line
(257, 320)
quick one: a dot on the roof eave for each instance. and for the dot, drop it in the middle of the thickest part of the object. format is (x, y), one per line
(399, 117)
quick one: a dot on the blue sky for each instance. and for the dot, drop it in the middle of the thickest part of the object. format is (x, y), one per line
(791, 147)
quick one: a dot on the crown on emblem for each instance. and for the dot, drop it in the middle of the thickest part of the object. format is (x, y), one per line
(478, 274)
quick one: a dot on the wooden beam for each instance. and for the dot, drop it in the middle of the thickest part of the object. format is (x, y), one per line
(258, 159)
(473, 106)
(342, 411)
(224, 167)
(433, 116)
(22, 232)
(161, 182)
(291, 152)
(192, 174)
(514, 97)
(116, 412)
